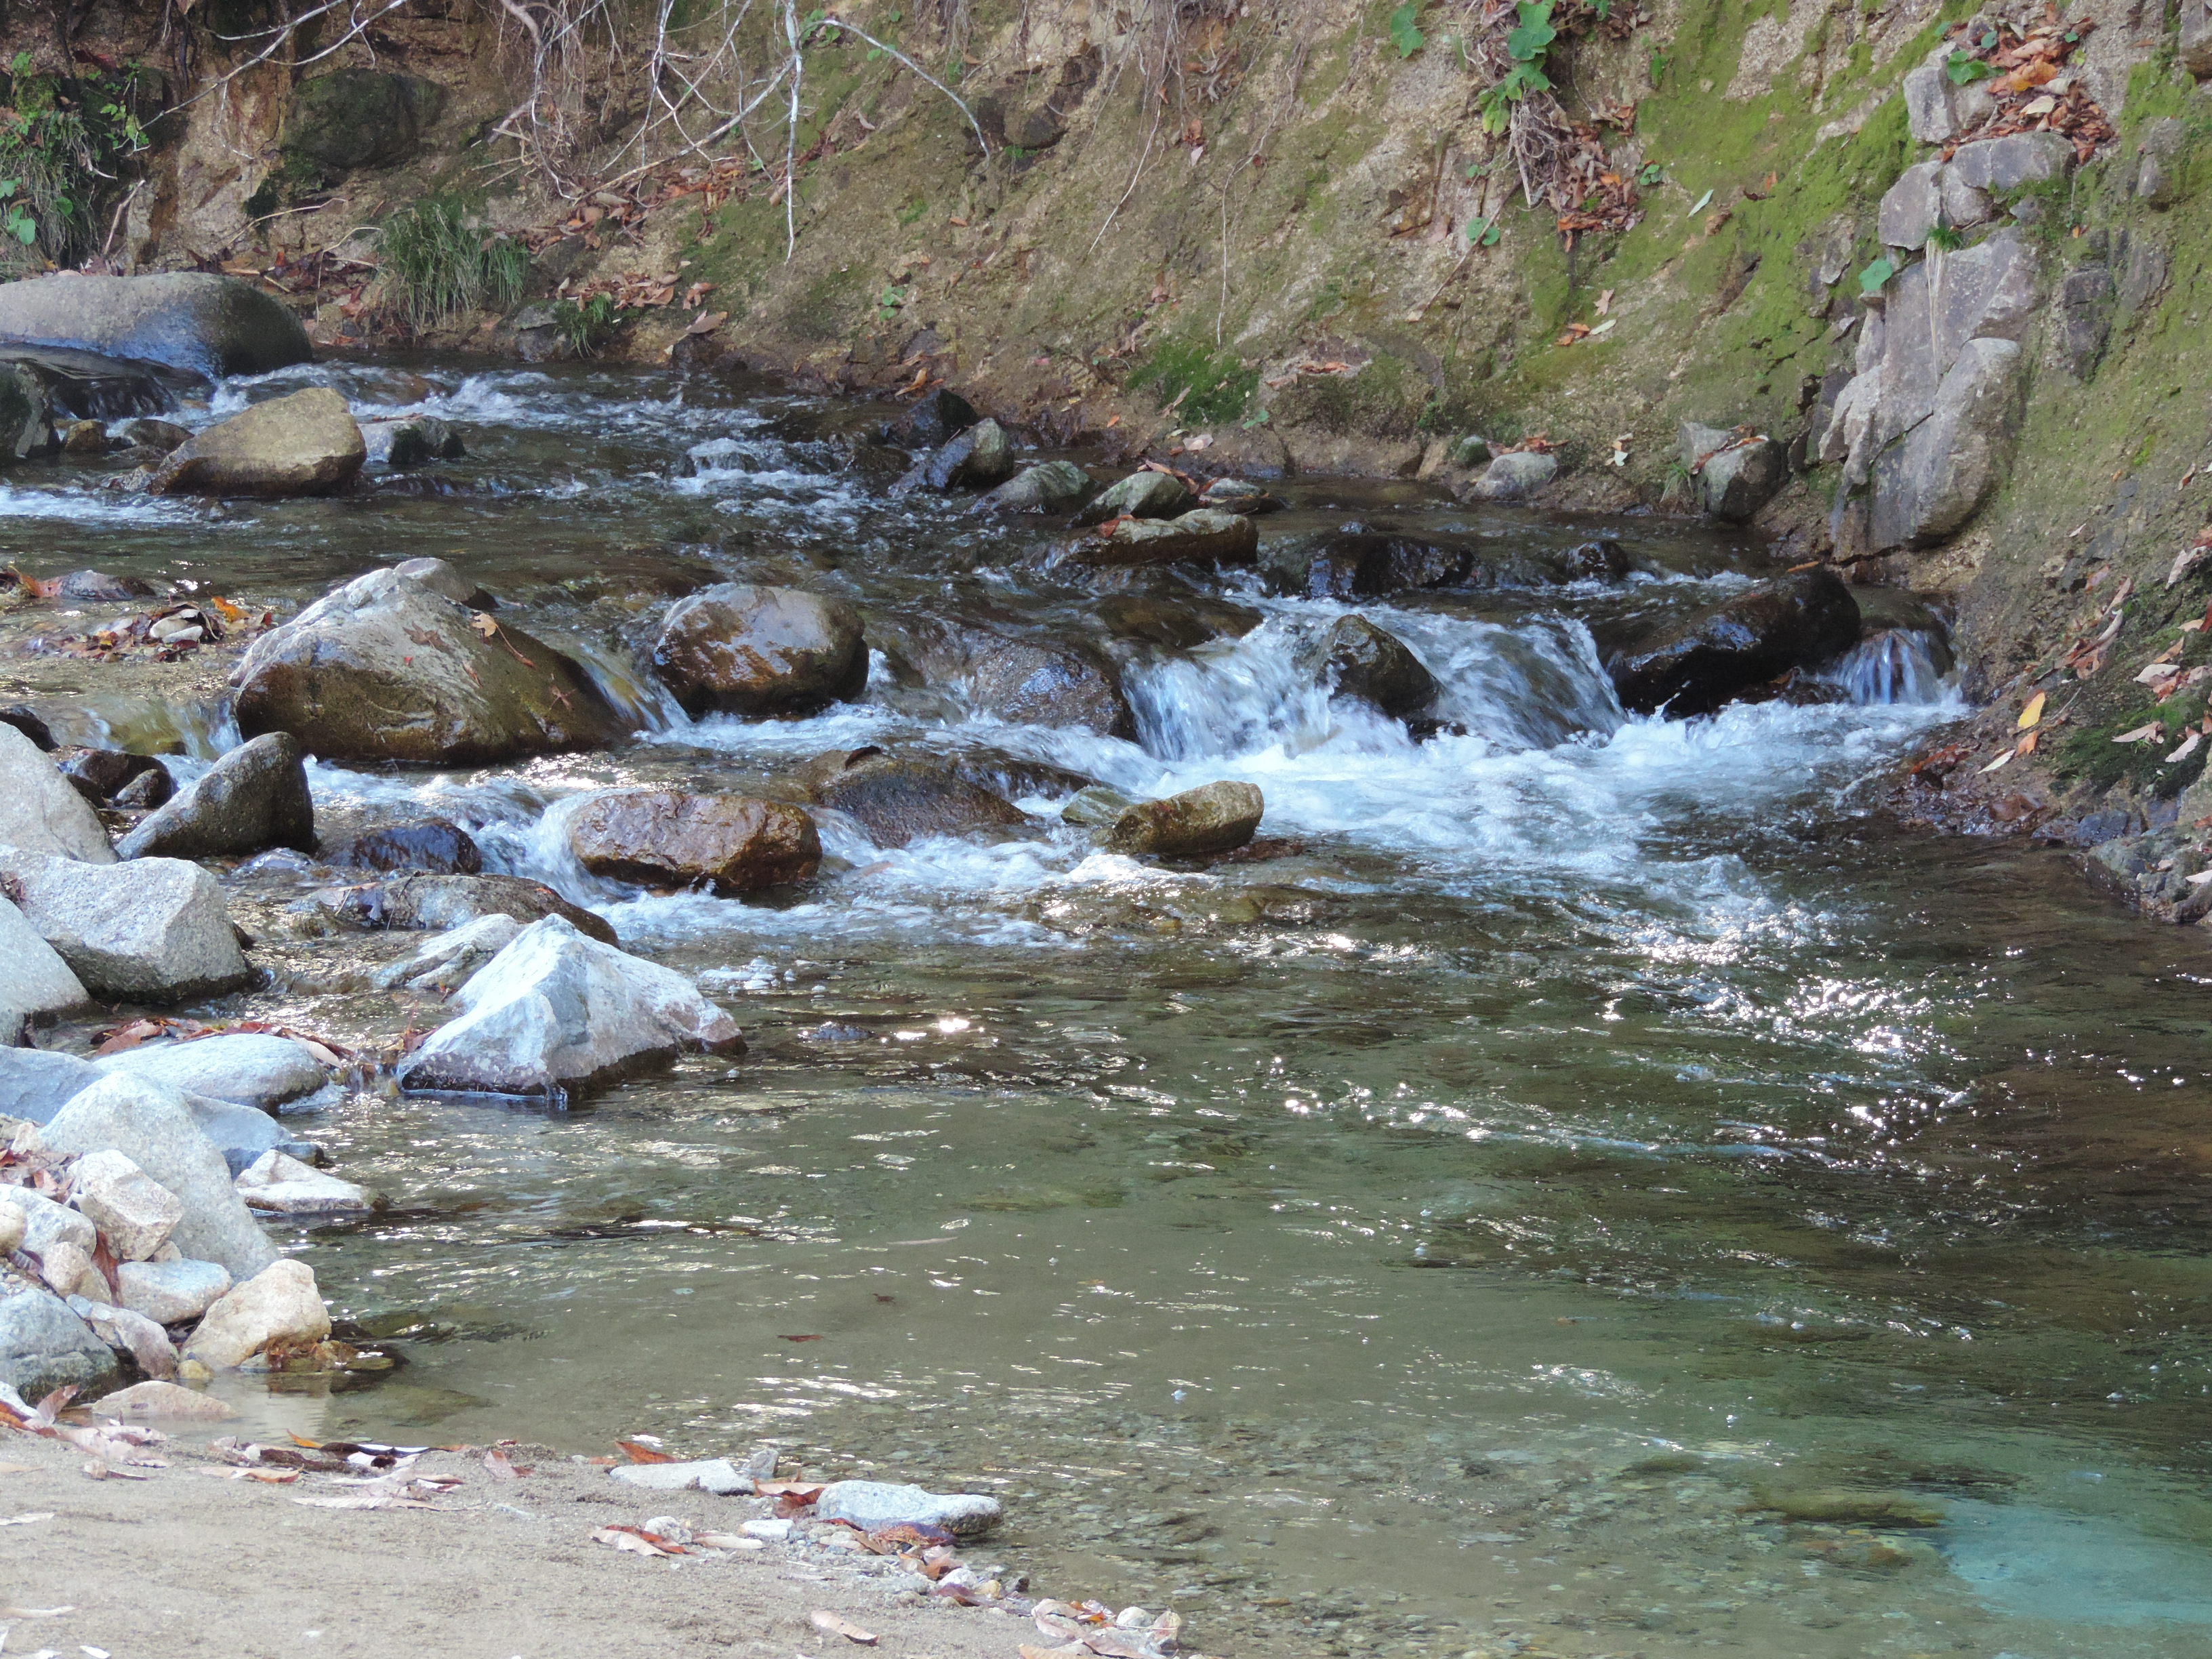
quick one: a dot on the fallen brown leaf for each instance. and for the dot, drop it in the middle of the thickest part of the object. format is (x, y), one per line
(834, 1626)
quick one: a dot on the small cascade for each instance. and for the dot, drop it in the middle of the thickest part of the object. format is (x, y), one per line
(1895, 665)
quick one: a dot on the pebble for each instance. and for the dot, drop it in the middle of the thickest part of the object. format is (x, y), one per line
(869, 1505)
(772, 1532)
(714, 1474)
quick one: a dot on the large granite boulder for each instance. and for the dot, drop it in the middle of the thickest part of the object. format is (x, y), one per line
(384, 669)
(666, 838)
(749, 650)
(556, 1012)
(307, 444)
(40, 810)
(254, 797)
(207, 325)
(1694, 666)
(153, 930)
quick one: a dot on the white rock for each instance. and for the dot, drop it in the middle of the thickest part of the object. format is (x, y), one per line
(170, 1293)
(153, 930)
(40, 810)
(33, 978)
(279, 1303)
(134, 1213)
(13, 1225)
(714, 1474)
(156, 1128)
(447, 959)
(147, 1343)
(773, 1532)
(247, 1068)
(869, 1505)
(281, 1184)
(46, 1224)
(555, 1011)
(163, 1402)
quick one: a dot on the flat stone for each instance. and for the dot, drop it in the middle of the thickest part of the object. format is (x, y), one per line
(306, 444)
(252, 798)
(446, 959)
(280, 1184)
(555, 1011)
(152, 1126)
(769, 1532)
(135, 1213)
(40, 810)
(2006, 163)
(44, 1346)
(669, 838)
(714, 1474)
(162, 1402)
(869, 1505)
(153, 930)
(1203, 536)
(1215, 817)
(171, 1293)
(280, 1304)
(447, 902)
(246, 1068)
(1912, 207)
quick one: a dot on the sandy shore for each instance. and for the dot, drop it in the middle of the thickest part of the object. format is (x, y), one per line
(192, 1561)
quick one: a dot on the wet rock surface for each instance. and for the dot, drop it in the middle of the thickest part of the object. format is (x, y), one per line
(415, 900)
(900, 799)
(1695, 667)
(665, 838)
(254, 797)
(761, 651)
(1216, 818)
(207, 325)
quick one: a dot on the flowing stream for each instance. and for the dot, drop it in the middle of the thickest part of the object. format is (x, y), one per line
(1457, 1232)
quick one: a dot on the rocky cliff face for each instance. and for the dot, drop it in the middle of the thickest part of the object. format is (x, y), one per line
(1926, 274)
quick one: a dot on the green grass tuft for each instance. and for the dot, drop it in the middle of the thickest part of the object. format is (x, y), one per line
(1212, 389)
(438, 263)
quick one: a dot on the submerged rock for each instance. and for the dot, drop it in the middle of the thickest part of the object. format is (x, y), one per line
(254, 797)
(410, 440)
(207, 325)
(441, 901)
(663, 837)
(163, 1402)
(1695, 666)
(1237, 496)
(870, 1504)
(749, 650)
(900, 799)
(1145, 494)
(280, 1303)
(384, 669)
(432, 845)
(556, 1011)
(152, 1126)
(306, 444)
(1048, 487)
(1358, 660)
(40, 812)
(1370, 564)
(153, 930)
(1604, 559)
(44, 1346)
(1215, 817)
(981, 456)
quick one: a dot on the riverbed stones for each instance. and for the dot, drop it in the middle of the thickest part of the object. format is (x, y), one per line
(280, 1184)
(35, 979)
(1146, 494)
(1696, 666)
(1237, 496)
(162, 1402)
(110, 777)
(740, 649)
(1048, 682)
(44, 1346)
(1358, 660)
(1177, 624)
(1047, 487)
(153, 930)
(870, 1504)
(40, 810)
(384, 669)
(899, 799)
(135, 1213)
(208, 325)
(1203, 536)
(171, 1293)
(252, 798)
(1371, 565)
(1515, 477)
(556, 1011)
(1215, 817)
(981, 456)
(306, 444)
(443, 902)
(154, 1127)
(280, 1304)
(669, 838)
(1735, 473)
(247, 1068)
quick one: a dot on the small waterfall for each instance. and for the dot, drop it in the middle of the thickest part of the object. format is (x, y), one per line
(1895, 665)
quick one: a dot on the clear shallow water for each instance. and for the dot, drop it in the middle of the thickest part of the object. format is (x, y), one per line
(1449, 1235)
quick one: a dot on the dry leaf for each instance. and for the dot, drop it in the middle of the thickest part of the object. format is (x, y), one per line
(2005, 759)
(635, 1541)
(639, 1452)
(2148, 733)
(2033, 714)
(836, 1627)
(2188, 748)
(725, 1541)
(497, 1463)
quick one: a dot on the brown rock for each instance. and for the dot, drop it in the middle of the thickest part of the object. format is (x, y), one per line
(663, 837)
(1215, 817)
(749, 650)
(307, 444)
(898, 800)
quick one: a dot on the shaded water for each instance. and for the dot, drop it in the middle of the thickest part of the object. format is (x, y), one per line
(1449, 1235)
